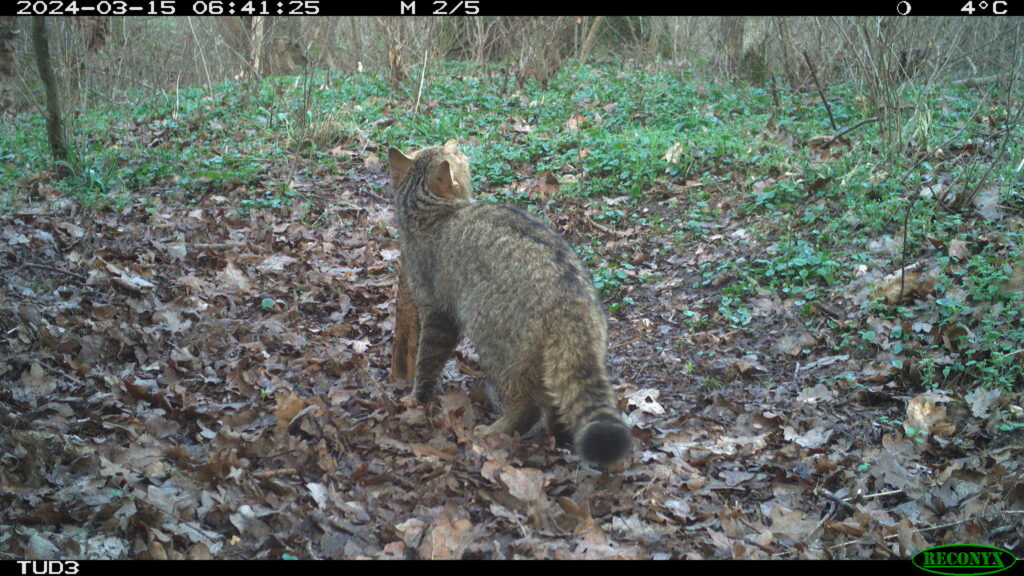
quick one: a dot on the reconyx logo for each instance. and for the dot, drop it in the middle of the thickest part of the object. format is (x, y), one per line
(963, 560)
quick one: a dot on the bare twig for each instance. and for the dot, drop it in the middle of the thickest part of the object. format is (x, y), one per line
(828, 494)
(625, 343)
(60, 372)
(931, 528)
(821, 93)
(216, 245)
(601, 227)
(971, 192)
(977, 81)
(881, 494)
(202, 53)
(903, 257)
(52, 269)
(377, 196)
(848, 130)
(270, 473)
(419, 91)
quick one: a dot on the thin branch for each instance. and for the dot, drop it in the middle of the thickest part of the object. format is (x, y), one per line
(202, 53)
(52, 269)
(881, 494)
(848, 130)
(419, 91)
(828, 494)
(903, 257)
(821, 93)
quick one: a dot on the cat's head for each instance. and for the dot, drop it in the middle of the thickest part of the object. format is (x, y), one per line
(446, 169)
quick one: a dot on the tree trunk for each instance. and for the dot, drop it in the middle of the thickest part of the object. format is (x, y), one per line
(256, 46)
(731, 36)
(6, 63)
(325, 35)
(54, 116)
(588, 43)
(236, 32)
(285, 53)
(95, 30)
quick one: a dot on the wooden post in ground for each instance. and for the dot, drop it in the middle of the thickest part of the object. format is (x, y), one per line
(407, 331)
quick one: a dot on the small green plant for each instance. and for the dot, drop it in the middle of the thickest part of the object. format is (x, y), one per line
(799, 270)
(732, 309)
(608, 277)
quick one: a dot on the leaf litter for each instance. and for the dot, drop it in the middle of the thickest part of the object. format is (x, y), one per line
(200, 382)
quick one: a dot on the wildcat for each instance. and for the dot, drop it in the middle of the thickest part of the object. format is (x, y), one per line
(505, 280)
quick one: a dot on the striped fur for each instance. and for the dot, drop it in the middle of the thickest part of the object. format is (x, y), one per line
(517, 290)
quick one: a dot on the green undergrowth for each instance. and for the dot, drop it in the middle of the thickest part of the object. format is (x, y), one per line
(803, 222)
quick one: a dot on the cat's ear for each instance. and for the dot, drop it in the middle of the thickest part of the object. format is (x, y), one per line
(442, 181)
(452, 145)
(399, 163)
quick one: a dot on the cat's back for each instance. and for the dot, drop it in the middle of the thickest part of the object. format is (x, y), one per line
(509, 247)
(510, 279)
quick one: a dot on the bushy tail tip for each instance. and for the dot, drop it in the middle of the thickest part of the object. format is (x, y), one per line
(604, 442)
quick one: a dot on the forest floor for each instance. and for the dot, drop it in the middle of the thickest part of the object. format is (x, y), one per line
(210, 379)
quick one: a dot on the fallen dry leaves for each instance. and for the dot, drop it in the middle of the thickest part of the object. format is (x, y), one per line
(191, 382)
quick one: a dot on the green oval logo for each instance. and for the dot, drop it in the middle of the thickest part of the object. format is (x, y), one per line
(963, 559)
